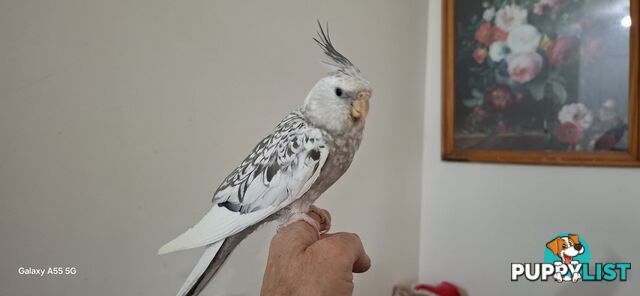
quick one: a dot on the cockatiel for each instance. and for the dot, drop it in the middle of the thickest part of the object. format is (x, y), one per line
(287, 171)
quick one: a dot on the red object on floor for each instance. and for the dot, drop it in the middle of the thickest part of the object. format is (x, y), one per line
(443, 289)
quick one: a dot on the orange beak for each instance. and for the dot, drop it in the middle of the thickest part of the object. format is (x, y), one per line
(360, 107)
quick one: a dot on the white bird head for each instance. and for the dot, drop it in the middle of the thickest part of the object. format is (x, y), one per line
(341, 99)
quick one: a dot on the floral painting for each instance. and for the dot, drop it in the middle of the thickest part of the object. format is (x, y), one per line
(542, 75)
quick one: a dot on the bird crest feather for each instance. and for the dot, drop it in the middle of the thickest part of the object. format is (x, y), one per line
(339, 62)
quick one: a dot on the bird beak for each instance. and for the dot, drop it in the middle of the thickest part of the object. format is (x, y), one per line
(360, 107)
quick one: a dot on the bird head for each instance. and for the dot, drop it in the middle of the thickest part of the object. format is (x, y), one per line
(339, 100)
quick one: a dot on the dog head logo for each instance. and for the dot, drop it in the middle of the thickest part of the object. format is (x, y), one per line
(566, 247)
(567, 252)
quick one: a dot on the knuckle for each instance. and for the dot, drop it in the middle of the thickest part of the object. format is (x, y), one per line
(338, 249)
(354, 237)
(325, 244)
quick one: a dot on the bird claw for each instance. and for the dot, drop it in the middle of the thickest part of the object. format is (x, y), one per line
(321, 227)
(301, 217)
(325, 218)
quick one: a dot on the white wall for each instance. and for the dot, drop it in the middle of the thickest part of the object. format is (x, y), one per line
(477, 219)
(118, 119)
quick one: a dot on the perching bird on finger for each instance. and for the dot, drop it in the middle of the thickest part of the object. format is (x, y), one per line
(287, 171)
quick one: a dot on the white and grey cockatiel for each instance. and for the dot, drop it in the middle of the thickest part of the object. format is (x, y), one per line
(287, 171)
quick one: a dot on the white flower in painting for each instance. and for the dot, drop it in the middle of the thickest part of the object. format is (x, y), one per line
(511, 16)
(525, 66)
(524, 38)
(577, 114)
(489, 14)
(499, 51)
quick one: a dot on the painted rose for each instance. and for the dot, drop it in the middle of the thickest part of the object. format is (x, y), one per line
(569, 133)
(498, 35)
(524, 38)
(564, 51)
(488, 34)
(483, 35)
(480, 55)
(499, 51)
(577, 114)
(511, 16)
(499, 97)
(524, 67)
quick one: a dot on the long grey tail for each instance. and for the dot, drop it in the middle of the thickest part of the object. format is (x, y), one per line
(229, 244)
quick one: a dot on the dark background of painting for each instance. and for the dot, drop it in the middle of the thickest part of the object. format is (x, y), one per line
(464, 11)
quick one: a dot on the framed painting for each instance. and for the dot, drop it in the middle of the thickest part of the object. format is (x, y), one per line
(541, 82)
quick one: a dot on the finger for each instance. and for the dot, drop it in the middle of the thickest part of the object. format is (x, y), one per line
(325, 216)
(353, 244)
(299, 234)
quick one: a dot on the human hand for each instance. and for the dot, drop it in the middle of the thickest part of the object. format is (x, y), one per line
(302, 263)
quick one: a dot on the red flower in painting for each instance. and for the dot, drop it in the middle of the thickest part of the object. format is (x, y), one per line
(499, 97)
(564, 51)
(499, 35)
(569, 133)
(488, 34)
(483, 35)
(480, 55)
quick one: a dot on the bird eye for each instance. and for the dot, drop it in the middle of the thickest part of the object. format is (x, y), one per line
(338, 92)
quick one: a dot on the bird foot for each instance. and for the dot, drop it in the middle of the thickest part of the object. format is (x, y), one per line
(325, 218)
(321, 226)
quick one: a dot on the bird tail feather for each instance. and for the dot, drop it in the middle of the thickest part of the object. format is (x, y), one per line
(202, 265)
(214, 256)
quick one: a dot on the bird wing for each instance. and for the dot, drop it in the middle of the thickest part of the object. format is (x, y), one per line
(279, 170)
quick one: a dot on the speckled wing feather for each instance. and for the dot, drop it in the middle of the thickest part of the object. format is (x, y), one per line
(279, 170)
(274, 159)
